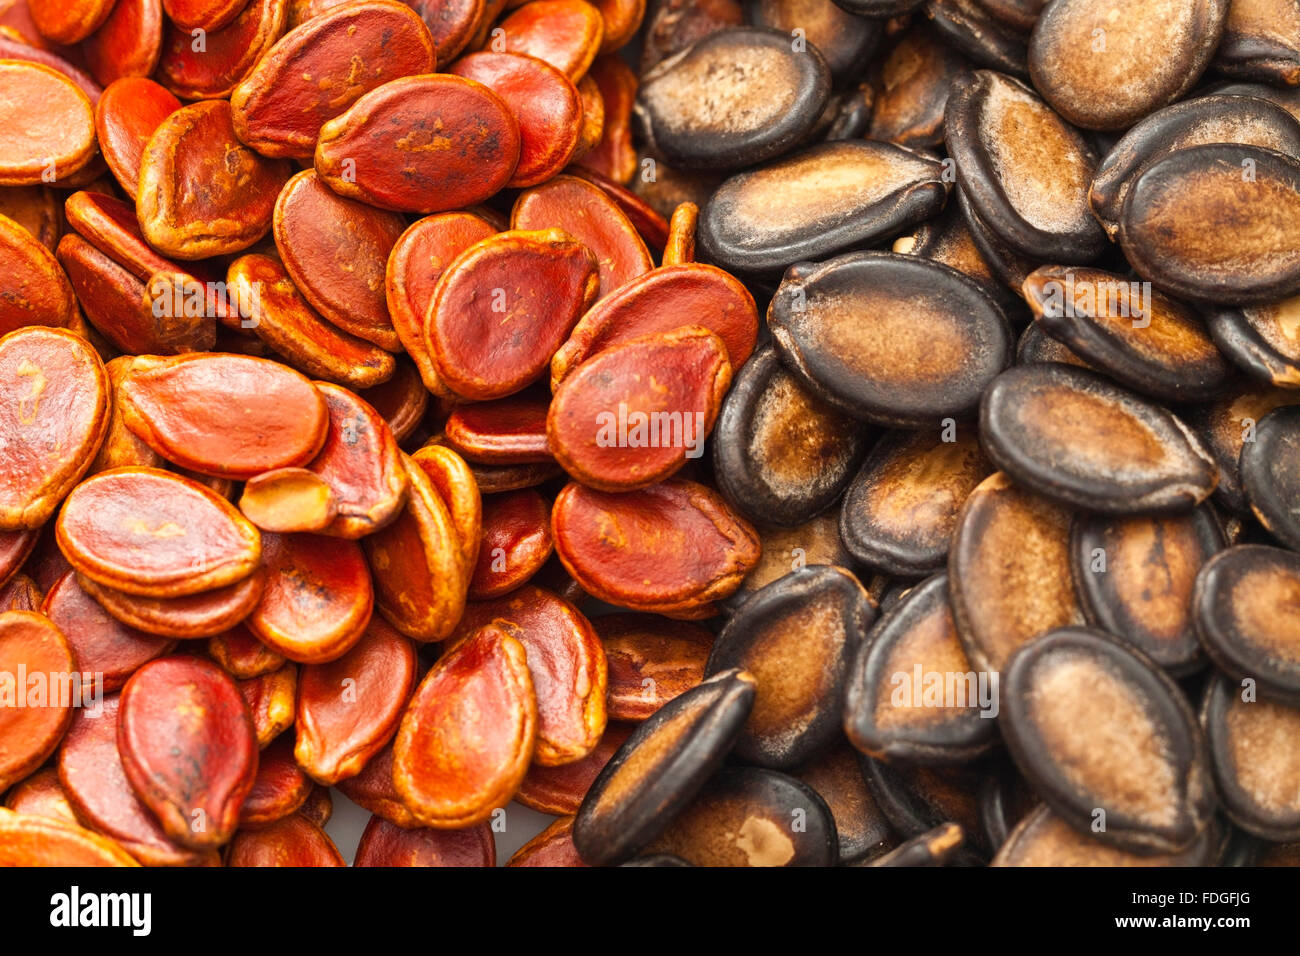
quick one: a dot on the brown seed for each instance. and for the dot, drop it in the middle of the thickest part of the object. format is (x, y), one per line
(348, 709)
(279, 789)
(383, 844)
(1069, 434)
(1106, 65)
(188, 748)
(762, 220)
(912, 89)
(552, 847)
(938, 847)
(948, 240)
(319, 806)
(37, 291)
(36, 712)
(566, 662)
(1244, 201)
(242, 654)
(1268, 472)
(293, 841)
(20, 593)
(900, 512)
(837, 778)
(285, 500)
(192, 616)
(55, 401)
(29, 840)
(651, 660)
(270, 700)
(1044, 839)
(970, 26)
(453, 762)
(228, 55)
(64, 140)
(660, 768)
(788, 549)
(1261, 41)
(41, 795)
(680, 248)
(671, 548)
(1009, 571)
(1257, 340)
(455, 485)
(559, 790)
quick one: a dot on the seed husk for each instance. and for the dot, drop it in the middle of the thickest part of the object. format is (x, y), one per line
(1071, 435)
(762, 220)
(1243, 603)
(968, 26)
(845, 41)
(763, 95)
(797, 637)
(1135, 577)
(1108, 741)
(938, 847)
(816, 541)
(862, 830)
(1261, 41)
(660, 768)
(917, 799)
(1044, 839)
(911, 85)
(1269, 473)
(651, 660)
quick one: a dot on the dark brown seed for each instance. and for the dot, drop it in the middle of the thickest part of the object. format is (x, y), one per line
(912, 84)
(1260, 339)
(1255, 750)
(1219, 222)
(660, 768)
(891, 339)
(1223, 427)
(1036, 346)
(1217, 118)
(745, 816)
(789, 549)
(1135, 578)
(1071, 435)
(1245, 603)
(1104, 64)
(900, 511)
(1044, 839)
(1024, 169)
(948, 240)
(1007, 264)
(1270, 472)
(1005, 798)
(912, 693)
(837, 778)
(796, 637)
(762, 220)
(937, 847)
(1009, 571)
(918, 799)
(1261, 41)
(1129, 331)
(844, 40)
(967, 25)
(780, 454)
(651, 660)
(1108, 741)
(763, 95)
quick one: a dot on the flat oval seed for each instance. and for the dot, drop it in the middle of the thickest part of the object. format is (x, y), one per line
(197, 144)
(318, 70)
(637, 412)
(612, 162)
(949, 241)
(845, 41)
(37, 291)
(912, 693)
(213, 69)
(477, 354)
(1205, 119)
(916, 799)
(544, 102)
(420, 571)
(1151, 54)
(126, 115)
(229, 416)
(194, 616)
(780, 454)
(743, 817)
(242, 654)
(288, 499)
(349, 709)
(468, 735)
(1261, 41)
(421, 144)
(361, 463)
(1138, 336)
(92, 776)
(1225, 424)
(188, 748)
(128, 43)
(1269, 472)
(36, 209)
(1255, 749)
(763, 96)
(67, 23)
(1245, 202)
(660, 301)
(203, 14)
(318, 597)
(104, 647)
(41, 795)
(1259, 340)
(660, 769)
(565, 33)
(452, 25)
(155, 534)
(1009, 571)
(373, 789)
(383, 844)
(454, 483)
(1071, 435)
(588, 215)
(1135, 578)
(970, 27)
(941, 846)
(64, 137)
(336, 251)
(515, 543)
(293, 841)
(1105, 736)
(784, 550)
(912, 89)
(796, 637)
(837, 778)
(559, 790)
(762, 220)
(900, 511)
(567, 664)
(282, 318)
(673, 547)
(32, 723)
(54, 404)
(1044, 839)
(279, 789)
(1244, 602)
(20, 593)
(651, 661)
(1024, 169)
(552, 847)
(891, 339)
(270, 700)
(507, 431)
